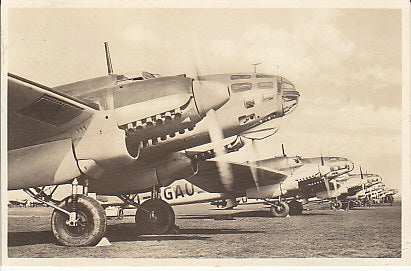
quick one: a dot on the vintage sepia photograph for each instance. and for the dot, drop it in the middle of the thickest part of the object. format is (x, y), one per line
(213, 132)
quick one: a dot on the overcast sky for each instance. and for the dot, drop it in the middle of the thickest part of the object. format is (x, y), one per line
(346, 63)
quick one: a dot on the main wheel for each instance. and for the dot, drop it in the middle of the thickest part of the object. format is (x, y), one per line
(90, 226)
(281, 209)
(155, 216)
(296, 207)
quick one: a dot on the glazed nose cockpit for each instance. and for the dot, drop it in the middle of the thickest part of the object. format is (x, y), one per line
(341, 164)
(289, 95)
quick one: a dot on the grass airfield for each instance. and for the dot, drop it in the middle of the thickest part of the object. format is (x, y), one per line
(248, 231)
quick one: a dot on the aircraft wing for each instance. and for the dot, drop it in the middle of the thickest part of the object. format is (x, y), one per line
(37, 112)
(208, 177)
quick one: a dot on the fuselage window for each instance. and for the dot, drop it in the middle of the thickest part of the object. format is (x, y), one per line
(259, 75)
(265, 85)
(238, 87)
(249, 103)
(240, 76)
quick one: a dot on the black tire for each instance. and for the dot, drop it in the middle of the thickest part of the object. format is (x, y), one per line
(92, 223)
(154, 217)
(281, 209)
(296, 207)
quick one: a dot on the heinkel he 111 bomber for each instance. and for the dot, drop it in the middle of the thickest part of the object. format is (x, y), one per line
(117, 135)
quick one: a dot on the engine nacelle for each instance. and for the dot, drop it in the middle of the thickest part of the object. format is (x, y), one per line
(41, 167)
(138, 178)
(289, 184)
(103, 146)
(153, 110)
(264, 192)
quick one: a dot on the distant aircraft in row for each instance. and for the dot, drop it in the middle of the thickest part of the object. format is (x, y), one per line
(284, 183)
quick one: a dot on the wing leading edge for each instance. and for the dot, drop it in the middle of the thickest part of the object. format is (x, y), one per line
(37, 112)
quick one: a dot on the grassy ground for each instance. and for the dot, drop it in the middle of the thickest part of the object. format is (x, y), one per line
(246, 232)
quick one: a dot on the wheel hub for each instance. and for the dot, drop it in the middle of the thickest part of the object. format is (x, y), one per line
(153, 217)
(78, 226)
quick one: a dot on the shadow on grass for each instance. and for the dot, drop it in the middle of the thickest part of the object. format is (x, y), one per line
(216, 231)
(30, 238)
(121, 232)
(127, 232)
(259, 213)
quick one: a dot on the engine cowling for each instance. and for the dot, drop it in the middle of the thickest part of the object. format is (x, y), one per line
(33, 166)
(103, 146)
(141, 178)
(154, 110)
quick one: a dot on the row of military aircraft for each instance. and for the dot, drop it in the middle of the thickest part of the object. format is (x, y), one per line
(133, 138)
(306, 180)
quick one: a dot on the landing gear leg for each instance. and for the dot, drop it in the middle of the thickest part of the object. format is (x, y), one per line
(346, 205)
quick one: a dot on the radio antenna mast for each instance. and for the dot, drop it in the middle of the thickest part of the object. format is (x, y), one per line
(108, 59)
(255, 66)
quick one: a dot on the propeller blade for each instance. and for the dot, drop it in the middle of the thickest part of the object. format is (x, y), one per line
(334, 182)
(325, 179)
(282, 148)
(216, 137)
(327, 186)
(253, 163)
(197, 56)
(322, 159)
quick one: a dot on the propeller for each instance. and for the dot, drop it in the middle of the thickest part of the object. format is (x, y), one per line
(324, 177)
(327, 185)
(334, 182)
(214, 129)
(253, 163)
(216, 137)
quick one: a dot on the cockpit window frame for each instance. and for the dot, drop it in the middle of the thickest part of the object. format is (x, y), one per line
(265, 85)
(263, 75)
(240, 87)
(240, 76)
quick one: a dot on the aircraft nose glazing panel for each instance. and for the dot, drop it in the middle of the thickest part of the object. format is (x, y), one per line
(289, 95)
